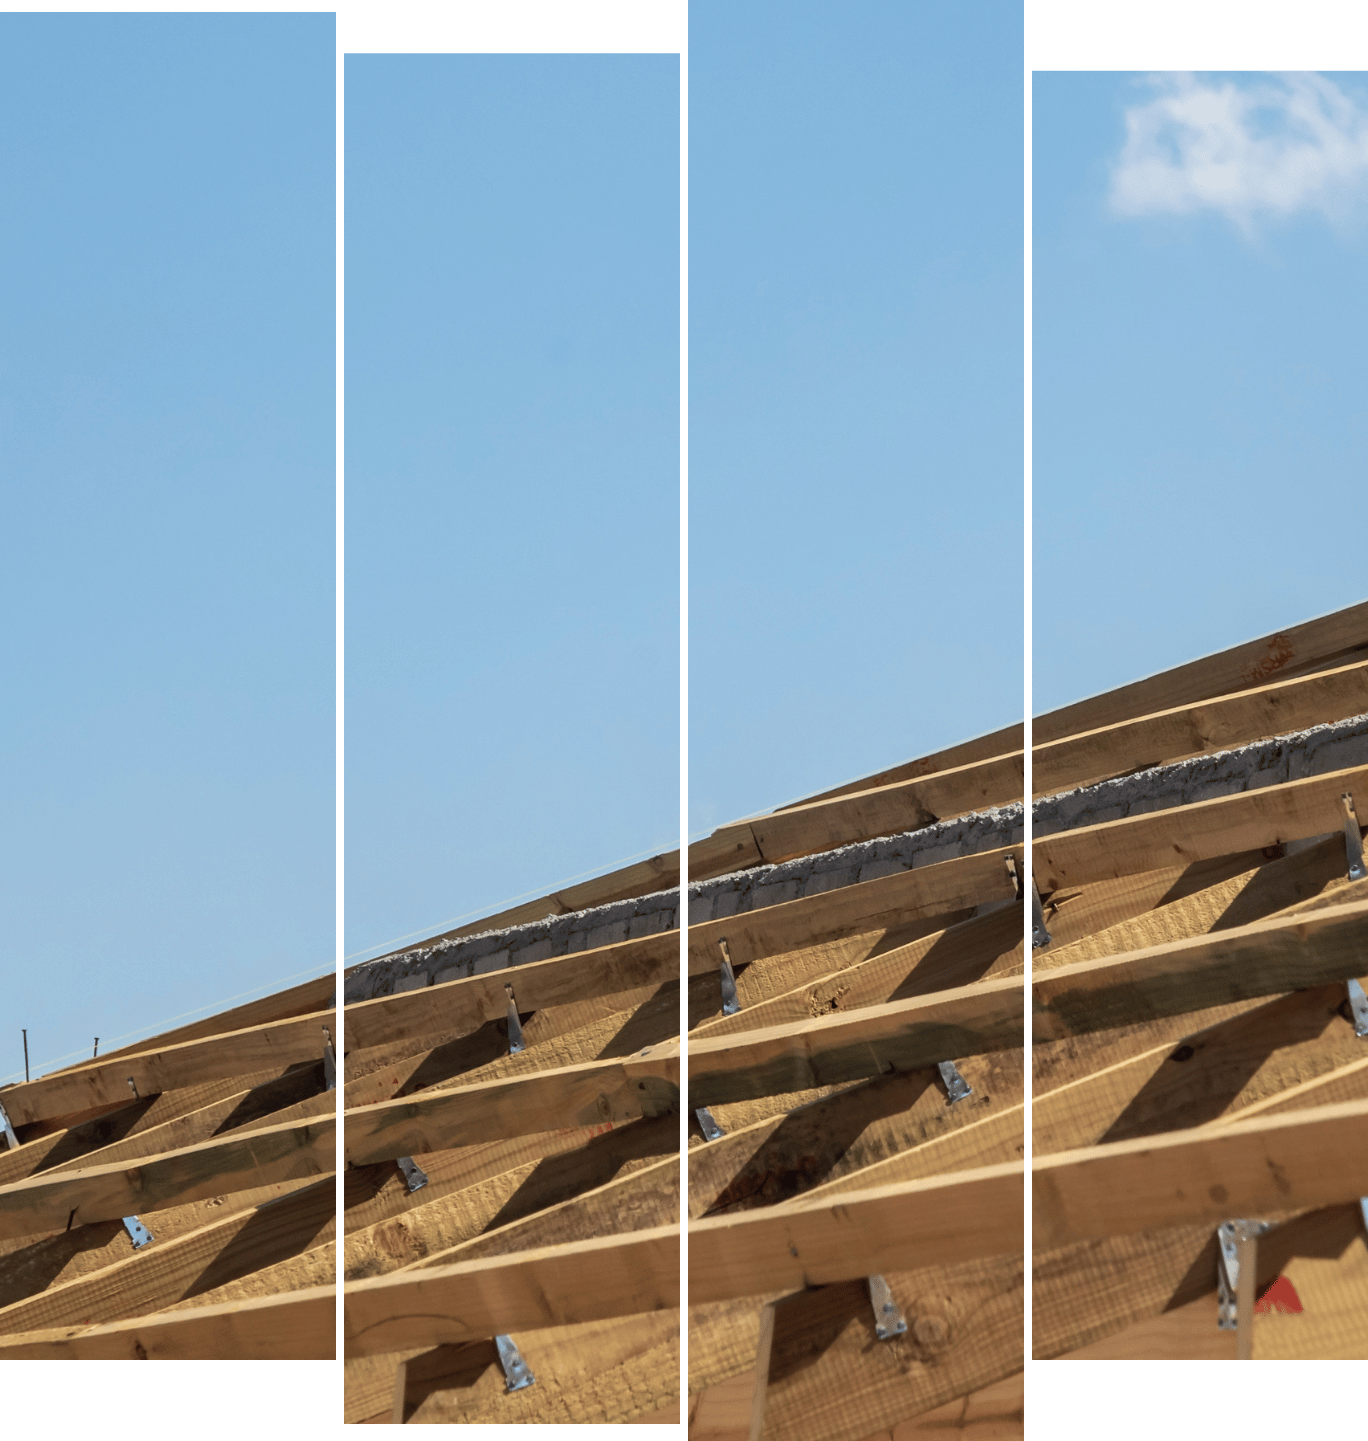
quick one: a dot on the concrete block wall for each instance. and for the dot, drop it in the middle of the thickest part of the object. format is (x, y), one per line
(1270, 762)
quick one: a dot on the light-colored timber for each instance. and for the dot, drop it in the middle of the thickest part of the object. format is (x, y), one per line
(1194, 1058)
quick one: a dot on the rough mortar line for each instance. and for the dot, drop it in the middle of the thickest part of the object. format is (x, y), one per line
(1264, 763)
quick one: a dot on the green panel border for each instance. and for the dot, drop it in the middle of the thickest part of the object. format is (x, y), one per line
(1129, 1401)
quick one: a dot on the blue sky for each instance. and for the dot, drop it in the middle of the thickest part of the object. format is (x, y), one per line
(855, 391)
(1201, 384)
(512, 478)
(166, 557)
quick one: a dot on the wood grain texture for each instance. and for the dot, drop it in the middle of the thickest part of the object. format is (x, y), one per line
(1221, 723)
(1243, 667)
(1243, 1168)
(619, 1371)
(597, 1094)
(1102, 852)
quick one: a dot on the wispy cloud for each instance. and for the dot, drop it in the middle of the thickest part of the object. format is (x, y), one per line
(1247, 149)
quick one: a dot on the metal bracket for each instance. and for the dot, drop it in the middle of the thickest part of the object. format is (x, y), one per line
(413, 1173)
(134, 1089)
(1363, 1207)
(11, 1139)
(1228, 1236)
(888, 1319)
(1358, 1006)
(515, 1035)
(139, 1233)
(1040, 937)
(329, 1062)
(515, 1369)
(1353, 844)
(711, 1130)
(956, 1087)
(730, 1003)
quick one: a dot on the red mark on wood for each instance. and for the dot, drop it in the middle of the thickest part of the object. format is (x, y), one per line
(1279, 653)
(1281, 1296)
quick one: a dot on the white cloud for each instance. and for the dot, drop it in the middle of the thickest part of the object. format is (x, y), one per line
(1273, 146)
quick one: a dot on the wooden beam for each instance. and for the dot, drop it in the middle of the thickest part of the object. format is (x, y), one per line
(1201, 832)
(302, 1000)
(1205, 830)
(1244, 1168)
(441, 1009)
(1187, 1333)
(1228, 966)
(1154, 1295)
(1096, 1193)
(171, 1271)
(989, 946)
(1066, 754)
(831, 1379)
(885, 1228)
(300, 1326)
(1244, 667)
(60, 1200)
(264, 1248)
(561, 1286)
(712, 856)
(1248, 893)
(1263, 958)
(1218, 724)
(598, 1094)
(551, 1286)
(35, 1263)
(636, 1201)
(624, 1370)
(764, 1354)
(180, 1113)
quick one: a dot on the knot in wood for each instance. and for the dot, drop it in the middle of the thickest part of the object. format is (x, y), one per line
(931, 1332)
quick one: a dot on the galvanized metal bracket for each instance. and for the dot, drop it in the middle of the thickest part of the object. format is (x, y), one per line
(956, 1087)
(11, 1140)
(730, 1003)
(517, 1374)
(888, 1319)
(711, 1130)
(138, 1233)
(329, 1062)
(1040, 937)
(1228, 1236)
(515, 1035)
(412, 1173)
(1363, 1208)
(1358, 1006)
(1353, 843)
(133, 1087)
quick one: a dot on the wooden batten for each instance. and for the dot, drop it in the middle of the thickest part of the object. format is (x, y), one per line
(1196, 1046)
